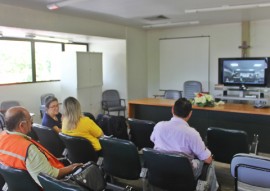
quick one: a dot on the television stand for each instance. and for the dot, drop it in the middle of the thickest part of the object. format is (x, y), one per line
(243, 95)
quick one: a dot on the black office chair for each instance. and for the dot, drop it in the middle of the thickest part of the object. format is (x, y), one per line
(140, 132)
(49, 139)
(225, 143)
(51, 184)
(111, 101)
(111, 125)
(120, 159)
(2, 181)
(2, 121)
(42, 101)
(172, 94)
(17, 179)
(251, 169)
(167, 171)
(79, 149)
(33, 134)
(90, 115)
(5, 105)
(190, 88)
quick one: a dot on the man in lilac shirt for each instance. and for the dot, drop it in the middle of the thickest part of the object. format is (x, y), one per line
(178, 137)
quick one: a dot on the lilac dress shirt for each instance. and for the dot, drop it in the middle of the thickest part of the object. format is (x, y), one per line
(177, 136)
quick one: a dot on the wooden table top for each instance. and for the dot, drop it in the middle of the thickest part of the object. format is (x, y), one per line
(227, 107)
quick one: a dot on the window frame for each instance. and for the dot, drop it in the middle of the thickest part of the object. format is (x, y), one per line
(33, 61)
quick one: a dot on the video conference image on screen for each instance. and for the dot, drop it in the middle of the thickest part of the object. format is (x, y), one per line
(244, 71)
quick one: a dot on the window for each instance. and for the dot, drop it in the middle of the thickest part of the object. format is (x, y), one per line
(26, 60)
(15, 62)
(48, 59)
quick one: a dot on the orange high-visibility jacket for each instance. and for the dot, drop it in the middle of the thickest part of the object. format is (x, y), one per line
(14, 150)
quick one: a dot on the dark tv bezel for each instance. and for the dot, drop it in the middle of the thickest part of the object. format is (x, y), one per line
(245, 85)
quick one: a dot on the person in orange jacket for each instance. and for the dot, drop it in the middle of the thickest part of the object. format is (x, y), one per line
(19, 151)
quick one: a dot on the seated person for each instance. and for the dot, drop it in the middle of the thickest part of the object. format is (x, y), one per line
(75, 124)
(52, 117)
(21, 152)
(178, 137)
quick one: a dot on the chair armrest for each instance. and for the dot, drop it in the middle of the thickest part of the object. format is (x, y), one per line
(143, 173)
(100, 161)
(254, 145)
(123, 101)
(104, 104)
(155, 96)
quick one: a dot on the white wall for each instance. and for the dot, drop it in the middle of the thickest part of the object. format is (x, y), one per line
(137, 66)
(113, 61)
(51, 21)
(260, 38)
(28, 95)
(260, 42)
(224, 42)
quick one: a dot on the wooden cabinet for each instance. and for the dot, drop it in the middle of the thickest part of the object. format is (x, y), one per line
(82, 78)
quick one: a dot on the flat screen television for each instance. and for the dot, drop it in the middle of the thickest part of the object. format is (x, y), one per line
(243, 72)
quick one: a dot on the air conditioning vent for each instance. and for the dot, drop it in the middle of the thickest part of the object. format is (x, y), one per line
(156, 18)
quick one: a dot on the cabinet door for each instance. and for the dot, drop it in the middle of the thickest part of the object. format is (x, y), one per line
(89, 69)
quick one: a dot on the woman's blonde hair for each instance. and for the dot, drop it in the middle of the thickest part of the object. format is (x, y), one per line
(72, 112)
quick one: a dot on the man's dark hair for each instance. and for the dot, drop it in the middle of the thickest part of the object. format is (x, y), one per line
(49, 100)
(12, 121)
(182, 107)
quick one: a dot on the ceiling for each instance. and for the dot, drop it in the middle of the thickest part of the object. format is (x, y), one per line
(139, 13)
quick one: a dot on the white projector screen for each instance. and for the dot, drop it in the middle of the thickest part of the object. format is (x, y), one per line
(183, 59)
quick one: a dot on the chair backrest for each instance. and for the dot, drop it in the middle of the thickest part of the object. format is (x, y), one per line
(140, 132)
(121, 158)
(18, 179)
(2, 121)
(42, 101)
(172, 94)
(90, 115)
(225, 143)
(169, 171)
(49, 139)
(113, 125)
(111, 97)
(5, 105)
(33, 134)
(44, 96)
(2, 181)
(251, 169)
(192, 87)
(79, 149)
(51, 184)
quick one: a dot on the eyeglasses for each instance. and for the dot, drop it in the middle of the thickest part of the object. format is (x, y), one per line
(29, 120)
(54, 106)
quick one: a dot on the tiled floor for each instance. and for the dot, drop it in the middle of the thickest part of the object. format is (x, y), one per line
(224, 176)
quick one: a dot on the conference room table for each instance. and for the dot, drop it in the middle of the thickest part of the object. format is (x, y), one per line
(229, 115)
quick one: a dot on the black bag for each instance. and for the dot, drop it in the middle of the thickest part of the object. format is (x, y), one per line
(89, 176)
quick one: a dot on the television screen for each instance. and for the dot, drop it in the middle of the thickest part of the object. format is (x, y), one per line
(243, 71)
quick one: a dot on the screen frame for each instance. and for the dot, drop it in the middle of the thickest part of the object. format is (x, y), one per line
(242, 85)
